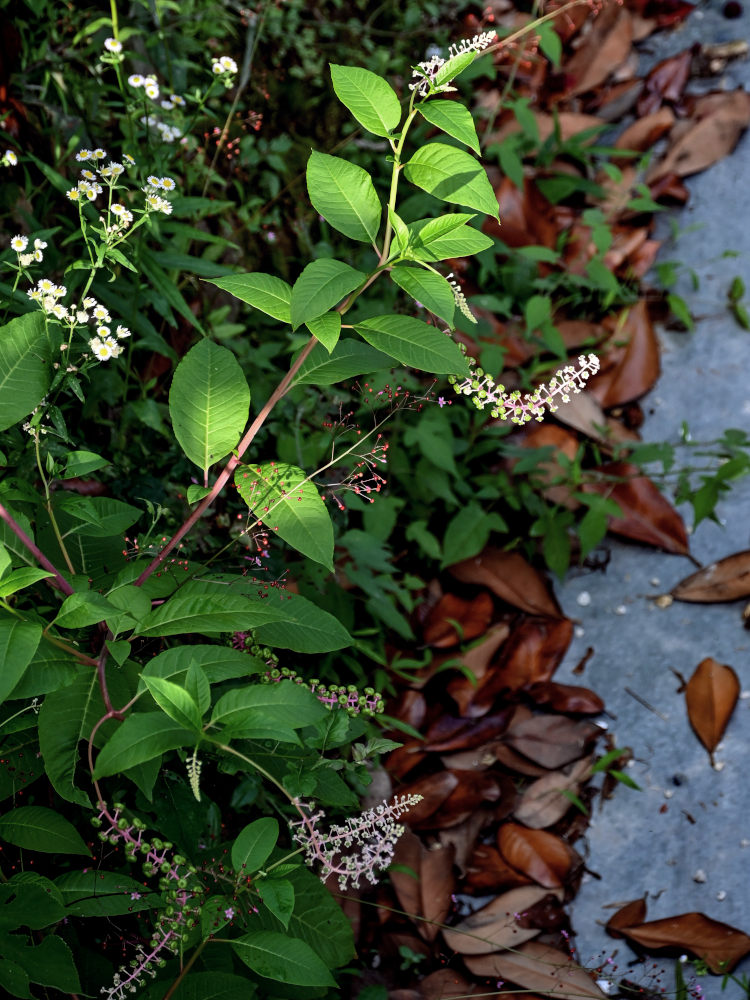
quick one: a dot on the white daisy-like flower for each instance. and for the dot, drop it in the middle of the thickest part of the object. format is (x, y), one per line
(59, 311)
(45, 286)
(59, 291)
(113, 45)
(88, 175)
(84, 154)
(34, 294)
(122, 332)
(73, 195)
(118, 209)
(19, 243)
(11, 160)
(167, 184)
(82, 317)
(37, 255)
(152, 91)
(178, 101)
(103, 331)
(101, 351)
(40, 245)
(228, 64)
(99, 154)
(101, 313)
(90, 192)
(28, 258)
(166, 105)
(129, 160)
(154, 181)
(89, 302)
(135, 80)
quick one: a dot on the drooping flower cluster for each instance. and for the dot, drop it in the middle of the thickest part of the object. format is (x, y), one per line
(348, 698)
(372, 835)
(460, 298)
(425, 72)
(484, 391)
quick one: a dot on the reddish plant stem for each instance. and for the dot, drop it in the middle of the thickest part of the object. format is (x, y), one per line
(231, 465)
(59, 581)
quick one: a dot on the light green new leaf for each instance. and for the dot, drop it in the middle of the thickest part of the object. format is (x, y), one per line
(347, 359)
(414, 343)
(24, 367)
(432, 290)
(321, 285)
(400, 232)
(283, 501)
(446, 237)
(141, 737)
(283, 959)
(254, 844)
(452, 175)
(306, 628)
(263, 291)
(282, 704)
(175, 702)
(40, 829)
(453, 118)
(208, 615)
(327, 329)
(467, 533)
(344, 195)
(371, 100)
(209, 403)
(18, 643)
(20, 579)
(454, 67)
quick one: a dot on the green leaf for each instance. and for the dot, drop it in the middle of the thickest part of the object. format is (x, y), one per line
(198, 687)
(326, 328)
(49, 670)
(196, 493)
(83, 608)
(39, 829)
(82, 463)
(99, 517)
(283, 959)
(254, 845)
(49, 963)
(347, 359)
(549, 42)
(218, 663)
(18, 643)
(97, 893)
(453, 67)
(400, 230)
(62, 725)
(279, 496)
(141, 737)
(468, 532)
(371, 100)
(263, 291)
(214, 986)
(432, 290)
(265, 706)
(453, 118)
(305, 627)
(208, 615)
(277, 896)
(321, 285)
(20, 579)
(24, 367)
(445, 237)
(14, 979)
(414, 344)
(175, 702)
(28, 904)
(452, 175)
(344, 195)
(209, 403)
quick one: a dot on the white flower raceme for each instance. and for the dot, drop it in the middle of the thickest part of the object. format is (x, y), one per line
(425, 72)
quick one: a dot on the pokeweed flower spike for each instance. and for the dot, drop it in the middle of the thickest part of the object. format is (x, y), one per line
(425, 72)
(348, 698)
(373, 835)
(178, 885)
(484, 391)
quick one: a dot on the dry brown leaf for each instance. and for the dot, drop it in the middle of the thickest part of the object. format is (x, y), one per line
(645, 131)
(434, 789)
(710, 139)
(630, 360)
(711, 695)
(542, 856)
(570, 123)
(514, 761)
(725, 580)
(718, 945)
(604, 48)
(665, 82)
(551, 740)
(546, 801)
(511, 578)
(629, 915)
(584, 414)
(463, 837)
(647, 516)
(477, 660)
(472, 791)
(448, 733)
(445, 984)
(496, 925)
(567, 698)
(473, 618)
(540, 968)
(563, 443)
(487, 871)
(437, 884)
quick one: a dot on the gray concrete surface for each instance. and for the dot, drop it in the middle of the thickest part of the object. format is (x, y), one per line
(685, 839)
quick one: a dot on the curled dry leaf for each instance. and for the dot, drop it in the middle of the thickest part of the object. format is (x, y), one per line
(551, 740)
(583, 413)
(540, 968)
(471, 791)
(711, 695)
(487, 871)
(629, 915)
(511, 578)
(605, 47)
(496, 925)
(665, 82)
(725, 580)
(434, 789)
(472, 618)
(630, 362)
(567, 698)
(463, 837)
(446, 983)
(547, 800)
(464, 734)
(646, 130)
(477, 660)
(427, 894)
(542, 856)
(717, 944)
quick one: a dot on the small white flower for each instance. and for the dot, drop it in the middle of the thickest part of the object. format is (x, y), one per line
(167, 105)
(167, 184)
(40, 245)
(122, 332)
(59, 311)
(135, 80)
(19, 243)
(59, 291)
(45, 286)
(112, 45)
(28, 258)
(11, 160)
(118, 209)
(154, 181)
(129, 160)
(101, 314)
(178, 101)
(99, 154)
(89, 302)
(82, 317)
(228, 64)
(38, 256)
(84, 154)
(152, 91)
(73, 195)
(102, 331)
(101, 350)
(34, 294)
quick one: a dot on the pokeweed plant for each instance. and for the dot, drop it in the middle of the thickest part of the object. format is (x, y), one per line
(101, 648)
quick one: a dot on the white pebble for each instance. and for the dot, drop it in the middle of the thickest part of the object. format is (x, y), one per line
(654, 581)
(744, 695)
(621, 609)
(579, 632)
(584, 599)
(745, 842)
(721, 895)
(668, 793)
(719, 765)
(700, 876)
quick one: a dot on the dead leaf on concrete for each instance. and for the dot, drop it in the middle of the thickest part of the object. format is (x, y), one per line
(629, 915)
(496, 925)
(540, 968)
(711, 695)
(630, 363)
(725, 580)
(606, 46)
(547, 800)
(511, 578)
(542, 856)
(551, 740)
(665, 82)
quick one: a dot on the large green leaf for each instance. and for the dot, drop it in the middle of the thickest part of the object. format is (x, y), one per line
(62, 725)
(209, 403)
(371, 100)
(283, 959)
(281, 498)
(326, 328)
(141, 737)
(347, 359)
(24, 367)
(414, 343)
(18, 643)
(49, 963)
(446, 237)
(344, 195)
(452, 175)
(432, 290)
(263, 291)
(209, 615)
(98, 517)
(453, 118)
(40, 829)
(321, 285)
(97, 893)
(219, 663)
(254, 844)
(85, 607)
(305, 628)
(50, 669)
(281, 703)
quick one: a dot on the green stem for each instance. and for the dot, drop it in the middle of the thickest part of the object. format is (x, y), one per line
(186, 968)
(48, 506)
(394, 180)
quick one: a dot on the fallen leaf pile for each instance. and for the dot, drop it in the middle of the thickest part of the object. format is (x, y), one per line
(505, 756)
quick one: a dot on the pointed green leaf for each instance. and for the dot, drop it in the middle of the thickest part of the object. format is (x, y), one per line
(263, 291)
(85, 607)
(452, 175)
(371, 100)
(39, 829)
(283, 959)
(321, 285)
(254, 844)
(277, 896)
(348, 358)
(18, 644)
(175, 702)
(209, 615)
(209, 403)
(218, 663)
(62, 725)
(282, 705)
(400, 230)
(326, 328)
(49, 963)
(305, 628)
(24, 367)
(432, 290)
(99, 517)
(20, 579)
(141, 737)
(453, 67)
(281, 498)
(445, 237)
(453, 118)
(414, 343)
(344, 195)
(197, 686)
(97, 893)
